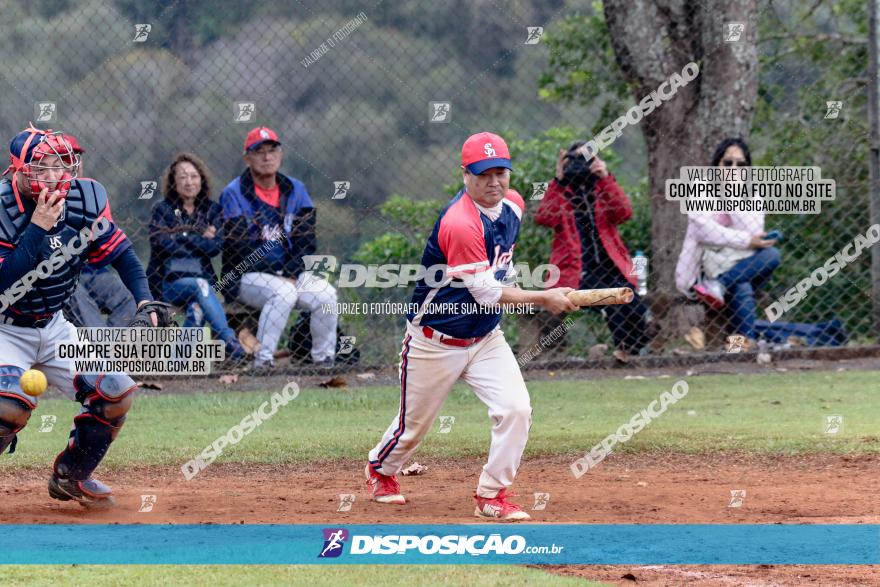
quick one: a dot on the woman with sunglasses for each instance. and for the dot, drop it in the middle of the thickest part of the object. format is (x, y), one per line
(725, 258)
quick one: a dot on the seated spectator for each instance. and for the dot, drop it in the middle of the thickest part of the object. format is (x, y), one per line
(725, 258)
(269, 227)
(583, 205)
(99, 290)
(183, 238)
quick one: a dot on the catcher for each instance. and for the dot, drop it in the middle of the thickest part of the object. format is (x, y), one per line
(51, 225)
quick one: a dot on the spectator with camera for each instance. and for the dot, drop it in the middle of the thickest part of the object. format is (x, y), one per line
(271, 214)
(184, 236)
(726, 258)
(584, 205)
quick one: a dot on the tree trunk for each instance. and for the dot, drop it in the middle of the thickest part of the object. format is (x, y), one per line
(653, 39)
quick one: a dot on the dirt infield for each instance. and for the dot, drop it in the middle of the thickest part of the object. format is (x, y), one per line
(623, 489)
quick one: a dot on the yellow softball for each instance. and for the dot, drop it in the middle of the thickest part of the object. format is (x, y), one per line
(33, 382)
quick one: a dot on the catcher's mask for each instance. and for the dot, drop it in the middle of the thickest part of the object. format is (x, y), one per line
(45, 158)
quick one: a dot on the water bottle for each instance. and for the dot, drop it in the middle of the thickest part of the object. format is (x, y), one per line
(640, 267)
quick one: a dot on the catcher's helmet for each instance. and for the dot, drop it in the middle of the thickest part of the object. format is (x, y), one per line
(29, 152)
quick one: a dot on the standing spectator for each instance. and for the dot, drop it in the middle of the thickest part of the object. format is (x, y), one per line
(261, 209)
(725, 258)
(583, 205)
(99, 289)
(183, 238)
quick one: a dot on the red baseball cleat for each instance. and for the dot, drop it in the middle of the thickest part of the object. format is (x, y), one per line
(384, 489)
(499, 508)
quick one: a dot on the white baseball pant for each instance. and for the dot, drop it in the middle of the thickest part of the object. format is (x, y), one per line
(28, 348)
(428, 370)
(277, 296)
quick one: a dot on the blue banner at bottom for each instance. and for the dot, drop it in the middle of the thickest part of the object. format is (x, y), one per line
(612, 544)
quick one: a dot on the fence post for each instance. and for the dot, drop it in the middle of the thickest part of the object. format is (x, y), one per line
(874, 156)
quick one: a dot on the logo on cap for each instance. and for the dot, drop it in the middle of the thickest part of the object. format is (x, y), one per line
(484, 151)
(264, 133)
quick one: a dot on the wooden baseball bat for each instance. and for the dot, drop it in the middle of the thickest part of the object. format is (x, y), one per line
(601, 297)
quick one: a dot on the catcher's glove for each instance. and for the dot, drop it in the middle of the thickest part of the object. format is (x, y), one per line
(163, 313)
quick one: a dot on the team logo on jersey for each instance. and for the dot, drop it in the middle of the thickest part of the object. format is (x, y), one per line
(272, 232)
(488, 150)
(334, 540)
(55, 242)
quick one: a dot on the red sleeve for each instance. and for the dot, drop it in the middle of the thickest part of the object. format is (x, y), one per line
(552, 207)
(461, 241)
(612, 201)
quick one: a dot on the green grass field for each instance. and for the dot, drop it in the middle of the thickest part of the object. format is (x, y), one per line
(780, 413)
(329, 576)
(775, 413)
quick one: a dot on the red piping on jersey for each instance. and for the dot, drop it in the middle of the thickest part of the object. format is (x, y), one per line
(34, 316)
(108, 247)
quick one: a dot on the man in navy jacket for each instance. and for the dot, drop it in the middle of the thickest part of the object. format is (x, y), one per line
(269, 226)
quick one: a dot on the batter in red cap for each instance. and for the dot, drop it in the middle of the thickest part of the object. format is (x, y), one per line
(453, 331)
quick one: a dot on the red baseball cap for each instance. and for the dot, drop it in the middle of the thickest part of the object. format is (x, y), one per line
(484, 151)
(258, 136)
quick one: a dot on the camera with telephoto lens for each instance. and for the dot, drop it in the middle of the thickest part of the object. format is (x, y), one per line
(576, 171)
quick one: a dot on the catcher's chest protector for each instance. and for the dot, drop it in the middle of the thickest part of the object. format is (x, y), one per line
(84, 203)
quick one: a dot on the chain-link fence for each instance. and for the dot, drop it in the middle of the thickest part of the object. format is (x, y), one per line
(364, 109)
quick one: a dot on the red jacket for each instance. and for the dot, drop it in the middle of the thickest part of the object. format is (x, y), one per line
(612, 207)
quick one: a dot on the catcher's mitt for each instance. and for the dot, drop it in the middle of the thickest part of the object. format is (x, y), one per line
(163, 313)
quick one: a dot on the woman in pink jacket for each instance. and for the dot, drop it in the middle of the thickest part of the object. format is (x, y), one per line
(725, 258)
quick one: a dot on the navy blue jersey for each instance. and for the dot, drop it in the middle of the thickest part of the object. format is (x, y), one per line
(251, 225)
(84, 204)
(465, 241)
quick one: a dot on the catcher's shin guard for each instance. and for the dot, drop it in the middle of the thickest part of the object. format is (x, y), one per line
(15, 407)
(14, 416)
(106, 400)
